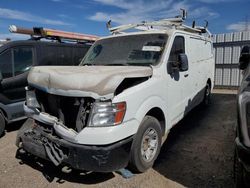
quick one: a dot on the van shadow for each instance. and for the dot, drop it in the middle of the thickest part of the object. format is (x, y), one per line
(194, 153)
(54, 173)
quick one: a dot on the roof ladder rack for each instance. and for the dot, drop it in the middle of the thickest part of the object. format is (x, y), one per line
(40, 32)
(163, 24)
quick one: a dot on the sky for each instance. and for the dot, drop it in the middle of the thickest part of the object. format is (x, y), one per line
(90, 16)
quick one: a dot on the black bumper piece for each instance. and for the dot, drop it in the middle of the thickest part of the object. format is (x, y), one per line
(105, 158)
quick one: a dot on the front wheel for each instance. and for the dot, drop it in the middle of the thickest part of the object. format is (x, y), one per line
(146, 145)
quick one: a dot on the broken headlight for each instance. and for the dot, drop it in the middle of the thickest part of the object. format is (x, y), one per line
(107, 114)
(31, 100)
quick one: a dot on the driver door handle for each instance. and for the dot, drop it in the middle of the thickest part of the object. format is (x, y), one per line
(185, 75)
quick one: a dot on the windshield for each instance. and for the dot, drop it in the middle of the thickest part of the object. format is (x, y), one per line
(142, 50)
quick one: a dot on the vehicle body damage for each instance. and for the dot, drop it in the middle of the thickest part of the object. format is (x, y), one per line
(80, 111)
(117, 107)
(92, 81)
(67, 97)
(70, 99)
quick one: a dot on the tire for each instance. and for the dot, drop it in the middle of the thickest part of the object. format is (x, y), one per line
(207, 95)
(2, 124)
(146, 145)
(238, 172)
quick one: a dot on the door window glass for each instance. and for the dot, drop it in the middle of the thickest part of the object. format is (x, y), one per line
(22, 59)
(6, 64)
(177, 48)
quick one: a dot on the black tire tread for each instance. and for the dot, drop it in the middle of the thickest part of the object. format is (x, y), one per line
(136, 164)
(204, 102)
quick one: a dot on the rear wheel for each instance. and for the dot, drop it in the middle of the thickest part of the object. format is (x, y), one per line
(146, 145)
(207, 95)
(2, 124)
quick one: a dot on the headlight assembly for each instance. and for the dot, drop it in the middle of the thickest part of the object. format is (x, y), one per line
(107, 114)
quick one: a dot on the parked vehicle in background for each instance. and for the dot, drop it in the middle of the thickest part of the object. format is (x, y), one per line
(2, 42)
(119, 105)
(16, 59)
(242, 141)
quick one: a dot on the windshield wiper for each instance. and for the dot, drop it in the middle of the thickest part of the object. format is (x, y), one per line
(111, 64)
(139, 64)
(88, 64)
(116, 64)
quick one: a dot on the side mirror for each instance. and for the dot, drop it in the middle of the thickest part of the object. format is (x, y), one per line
(178, 66)
(183, 62)
(244, 57)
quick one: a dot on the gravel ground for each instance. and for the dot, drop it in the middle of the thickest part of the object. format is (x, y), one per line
(198, 153)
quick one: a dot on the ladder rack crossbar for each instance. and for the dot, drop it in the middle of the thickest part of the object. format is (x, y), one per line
(163, 23)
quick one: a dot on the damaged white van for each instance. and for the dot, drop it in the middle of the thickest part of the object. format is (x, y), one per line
(117, 108)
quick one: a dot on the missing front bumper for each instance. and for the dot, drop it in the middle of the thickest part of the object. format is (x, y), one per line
(85, 157)
(60, 128)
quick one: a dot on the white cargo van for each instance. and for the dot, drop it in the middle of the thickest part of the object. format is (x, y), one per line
(119, 105)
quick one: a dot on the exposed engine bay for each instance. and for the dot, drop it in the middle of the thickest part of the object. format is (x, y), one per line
(73, 112)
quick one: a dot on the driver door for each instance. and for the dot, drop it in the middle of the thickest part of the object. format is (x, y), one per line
(177, 85)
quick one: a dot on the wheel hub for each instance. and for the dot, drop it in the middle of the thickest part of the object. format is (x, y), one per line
(149, 144)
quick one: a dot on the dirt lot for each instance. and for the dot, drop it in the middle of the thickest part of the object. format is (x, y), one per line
(198, 153)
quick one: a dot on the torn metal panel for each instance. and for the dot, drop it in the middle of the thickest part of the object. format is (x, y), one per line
(60, 128)
(93, 81)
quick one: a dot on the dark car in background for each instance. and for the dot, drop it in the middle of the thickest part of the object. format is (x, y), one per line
(242, 141)
(16, 58)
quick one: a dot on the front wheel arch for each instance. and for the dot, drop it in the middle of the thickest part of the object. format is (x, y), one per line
(153, 106)
(159, 115)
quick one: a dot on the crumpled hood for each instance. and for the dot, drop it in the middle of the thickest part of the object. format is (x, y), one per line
(81, 81)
